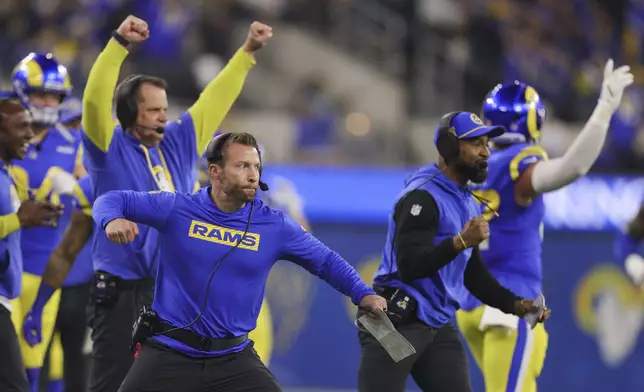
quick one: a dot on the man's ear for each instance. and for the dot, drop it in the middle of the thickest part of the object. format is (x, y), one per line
(214, 170)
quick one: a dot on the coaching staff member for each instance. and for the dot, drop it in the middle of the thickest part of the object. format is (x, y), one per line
(218, 247)
(143, 153)
(15, 134)
(431, 260)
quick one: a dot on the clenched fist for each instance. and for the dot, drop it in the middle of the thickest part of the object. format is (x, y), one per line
(372, 302)
(38, 213)
(134, 29)
(121, 231)
(475, 231)
(258, 35)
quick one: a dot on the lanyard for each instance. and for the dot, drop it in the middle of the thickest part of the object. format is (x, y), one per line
(166, 171)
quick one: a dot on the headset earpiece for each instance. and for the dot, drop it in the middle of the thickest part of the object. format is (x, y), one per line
(447, 142)
(126, 104)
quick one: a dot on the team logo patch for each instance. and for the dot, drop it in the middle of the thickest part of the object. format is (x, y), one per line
(475, 119)
(223, 235)
(415, 209)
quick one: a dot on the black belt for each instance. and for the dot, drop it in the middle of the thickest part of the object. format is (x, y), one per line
(196, 341)
(119, 283)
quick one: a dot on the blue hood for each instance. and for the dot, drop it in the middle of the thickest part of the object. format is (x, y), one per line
(432, 172)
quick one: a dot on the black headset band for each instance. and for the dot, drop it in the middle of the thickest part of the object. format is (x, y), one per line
(447, 142)
(127, 105)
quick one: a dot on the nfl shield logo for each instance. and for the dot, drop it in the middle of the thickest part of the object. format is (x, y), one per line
(415, 209)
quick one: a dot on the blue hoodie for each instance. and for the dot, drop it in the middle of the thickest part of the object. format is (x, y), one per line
(440, 295)
(194, 234)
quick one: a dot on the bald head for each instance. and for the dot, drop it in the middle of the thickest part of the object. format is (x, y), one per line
(10, 107)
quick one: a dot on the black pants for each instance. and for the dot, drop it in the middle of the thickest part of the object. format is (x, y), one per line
(160, 368)
(439, 365)
(72, 325)
(112, 334)
(12, 372)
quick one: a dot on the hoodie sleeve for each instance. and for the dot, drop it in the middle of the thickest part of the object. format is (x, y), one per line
(416, 218)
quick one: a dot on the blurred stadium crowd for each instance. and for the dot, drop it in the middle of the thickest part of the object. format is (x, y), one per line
(443, 55)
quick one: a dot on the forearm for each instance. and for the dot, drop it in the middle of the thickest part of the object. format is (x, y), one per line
(9, 224)
(151, 209)
(99, 93)
(416, 261)
(57, 268)
(63, 257)
(218, 97)
(108, 207)
(580, 156)
(484, 286)
(344, 278)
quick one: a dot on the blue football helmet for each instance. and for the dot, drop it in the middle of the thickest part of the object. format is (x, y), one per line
(41, 72)
(517, 107)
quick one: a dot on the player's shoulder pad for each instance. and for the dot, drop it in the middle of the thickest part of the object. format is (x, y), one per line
(526, 155)
(65, 134)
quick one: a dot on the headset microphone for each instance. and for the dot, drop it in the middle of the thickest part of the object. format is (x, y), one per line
(159, 130)
(263, 186)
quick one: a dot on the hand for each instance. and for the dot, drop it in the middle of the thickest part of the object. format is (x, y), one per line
(475, 231)
(63, 183)
(134, 29)
(121, 231)
(525, 306)
(373, 302)
(615, 81)
(32, 327)
(258, 35)
(35, 213)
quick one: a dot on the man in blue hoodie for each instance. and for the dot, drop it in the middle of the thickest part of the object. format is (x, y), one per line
(218, 246)
(431, 261)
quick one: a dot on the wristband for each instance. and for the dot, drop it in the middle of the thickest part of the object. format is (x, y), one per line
(460, 237)
(120, 39)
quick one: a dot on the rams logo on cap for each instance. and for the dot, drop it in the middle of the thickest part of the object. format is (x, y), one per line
(475, 119)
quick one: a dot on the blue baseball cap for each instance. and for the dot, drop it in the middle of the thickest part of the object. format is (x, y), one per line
(466, 125)
(71, 109)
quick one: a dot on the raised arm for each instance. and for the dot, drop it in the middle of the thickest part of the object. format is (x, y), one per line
(221, 93)
(550, 175)
(98, 96)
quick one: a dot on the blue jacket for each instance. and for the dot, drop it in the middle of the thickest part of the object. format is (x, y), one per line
(440, 295)
(195, 234)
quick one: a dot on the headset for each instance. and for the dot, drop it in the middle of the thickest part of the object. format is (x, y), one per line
(215, 153)
(447, 142)
(127, 108)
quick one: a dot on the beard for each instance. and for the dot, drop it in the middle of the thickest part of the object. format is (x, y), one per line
(237, 192)
(475, 172)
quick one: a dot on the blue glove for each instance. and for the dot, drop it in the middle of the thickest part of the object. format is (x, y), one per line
(32, 326)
